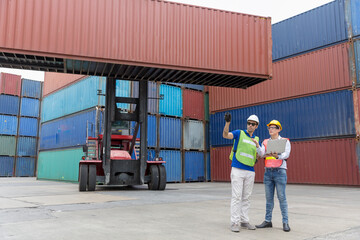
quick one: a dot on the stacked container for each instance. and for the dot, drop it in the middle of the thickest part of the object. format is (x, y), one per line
(19, 120)
(312, 94)
(176, 129)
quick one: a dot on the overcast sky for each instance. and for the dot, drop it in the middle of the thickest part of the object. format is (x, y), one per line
(278, 10)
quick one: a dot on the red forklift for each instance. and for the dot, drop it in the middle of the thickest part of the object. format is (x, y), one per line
(112, 159)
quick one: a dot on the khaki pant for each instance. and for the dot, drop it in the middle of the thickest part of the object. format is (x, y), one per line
(242, 183)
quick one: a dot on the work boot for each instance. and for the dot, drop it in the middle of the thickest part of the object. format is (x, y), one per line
(235, 227)
(286, 227)
(248, 226)
(265, 224)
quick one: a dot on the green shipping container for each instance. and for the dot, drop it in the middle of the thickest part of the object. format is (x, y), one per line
(206, 105)
(61, 165)
(7, 145)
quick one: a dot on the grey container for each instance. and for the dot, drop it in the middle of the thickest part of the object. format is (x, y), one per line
(194, 136)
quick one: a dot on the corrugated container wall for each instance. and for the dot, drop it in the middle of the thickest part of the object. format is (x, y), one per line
(194, 135)
(68, 131)
(194, 166)
(9, 105)
(357, 59)
(170, 133)
(319, 116)
(25, 167)
(30, 107)
(28, 127)
(59, 164)
(208, 167)
(193, 104)
(206, 105)
(172, 103)
(353, 15)
(172, 165)
(318, 71)
(316, 28)
(7, 145)
(221, 164)
(30, 88)
(6, 166)
(10, 83)
(56, 81)
(122, 90)
(158, 33)
(26, 146)
(152, 131)
(8, 125)
(74, 98)
(153, 102)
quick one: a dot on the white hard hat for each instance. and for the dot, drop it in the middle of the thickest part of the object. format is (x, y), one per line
(253, 118)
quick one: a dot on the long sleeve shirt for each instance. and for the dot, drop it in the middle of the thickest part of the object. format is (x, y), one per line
(285, 155)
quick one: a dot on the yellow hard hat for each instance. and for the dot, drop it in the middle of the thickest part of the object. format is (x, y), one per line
(275, 122)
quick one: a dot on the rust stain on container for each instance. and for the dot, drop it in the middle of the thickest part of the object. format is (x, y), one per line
(328, 162)
(312, 73)
(146, 33)
(56, 81)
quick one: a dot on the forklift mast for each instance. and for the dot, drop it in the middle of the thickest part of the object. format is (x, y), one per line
(112, 113)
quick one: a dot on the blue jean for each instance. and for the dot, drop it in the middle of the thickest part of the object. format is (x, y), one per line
(275, 178)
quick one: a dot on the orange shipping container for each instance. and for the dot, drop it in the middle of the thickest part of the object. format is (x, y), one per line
(330, 162)
(312, 73)
(149, 33)
(56, 81)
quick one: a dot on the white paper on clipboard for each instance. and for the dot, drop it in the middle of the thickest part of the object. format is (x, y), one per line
(276, 146)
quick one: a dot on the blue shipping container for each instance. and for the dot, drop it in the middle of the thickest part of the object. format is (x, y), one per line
(9, 105)
(319, 27)
(357, 59)
(28, 127)
(30, 107)
(208, 167)
(353, 16)
(194, 166)
(153, 103)
(30, 88)
(25, 167)
(172, 103)
(122, 90)
(152, 133)
(170, 132)
(26, 146)
(8, 125)
(74, 98)
(172, 165)
(6, 166)
(68, 131)
(319, 116)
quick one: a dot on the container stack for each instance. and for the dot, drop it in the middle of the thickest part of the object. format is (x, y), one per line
(176, 129)
(313, 94)
(19, 119)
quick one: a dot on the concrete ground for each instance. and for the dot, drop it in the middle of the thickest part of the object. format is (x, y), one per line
(31, 209)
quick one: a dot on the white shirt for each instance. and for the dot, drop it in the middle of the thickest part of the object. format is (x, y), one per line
(285, 155)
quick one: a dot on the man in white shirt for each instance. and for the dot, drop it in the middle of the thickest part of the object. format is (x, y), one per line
(275, 176)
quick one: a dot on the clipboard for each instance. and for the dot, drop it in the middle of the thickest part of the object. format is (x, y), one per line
(276, 146)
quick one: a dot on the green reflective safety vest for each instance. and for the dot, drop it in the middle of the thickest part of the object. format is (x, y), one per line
(246, 150)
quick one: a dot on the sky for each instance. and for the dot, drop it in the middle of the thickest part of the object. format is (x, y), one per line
(278, 10)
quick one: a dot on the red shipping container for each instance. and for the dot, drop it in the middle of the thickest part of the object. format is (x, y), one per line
(193, 104)
(151, 33)
(312, 73)
(330, 162)
(56, 81)
(10, 84)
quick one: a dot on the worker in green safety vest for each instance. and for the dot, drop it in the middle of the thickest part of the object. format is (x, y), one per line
(243, 156)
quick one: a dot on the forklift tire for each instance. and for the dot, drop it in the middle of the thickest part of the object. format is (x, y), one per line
(154, 178)
(83, 177)
(162, 177)
(92, 178)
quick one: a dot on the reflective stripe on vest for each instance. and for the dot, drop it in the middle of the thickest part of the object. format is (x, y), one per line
(271, 162)
(245, 151)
